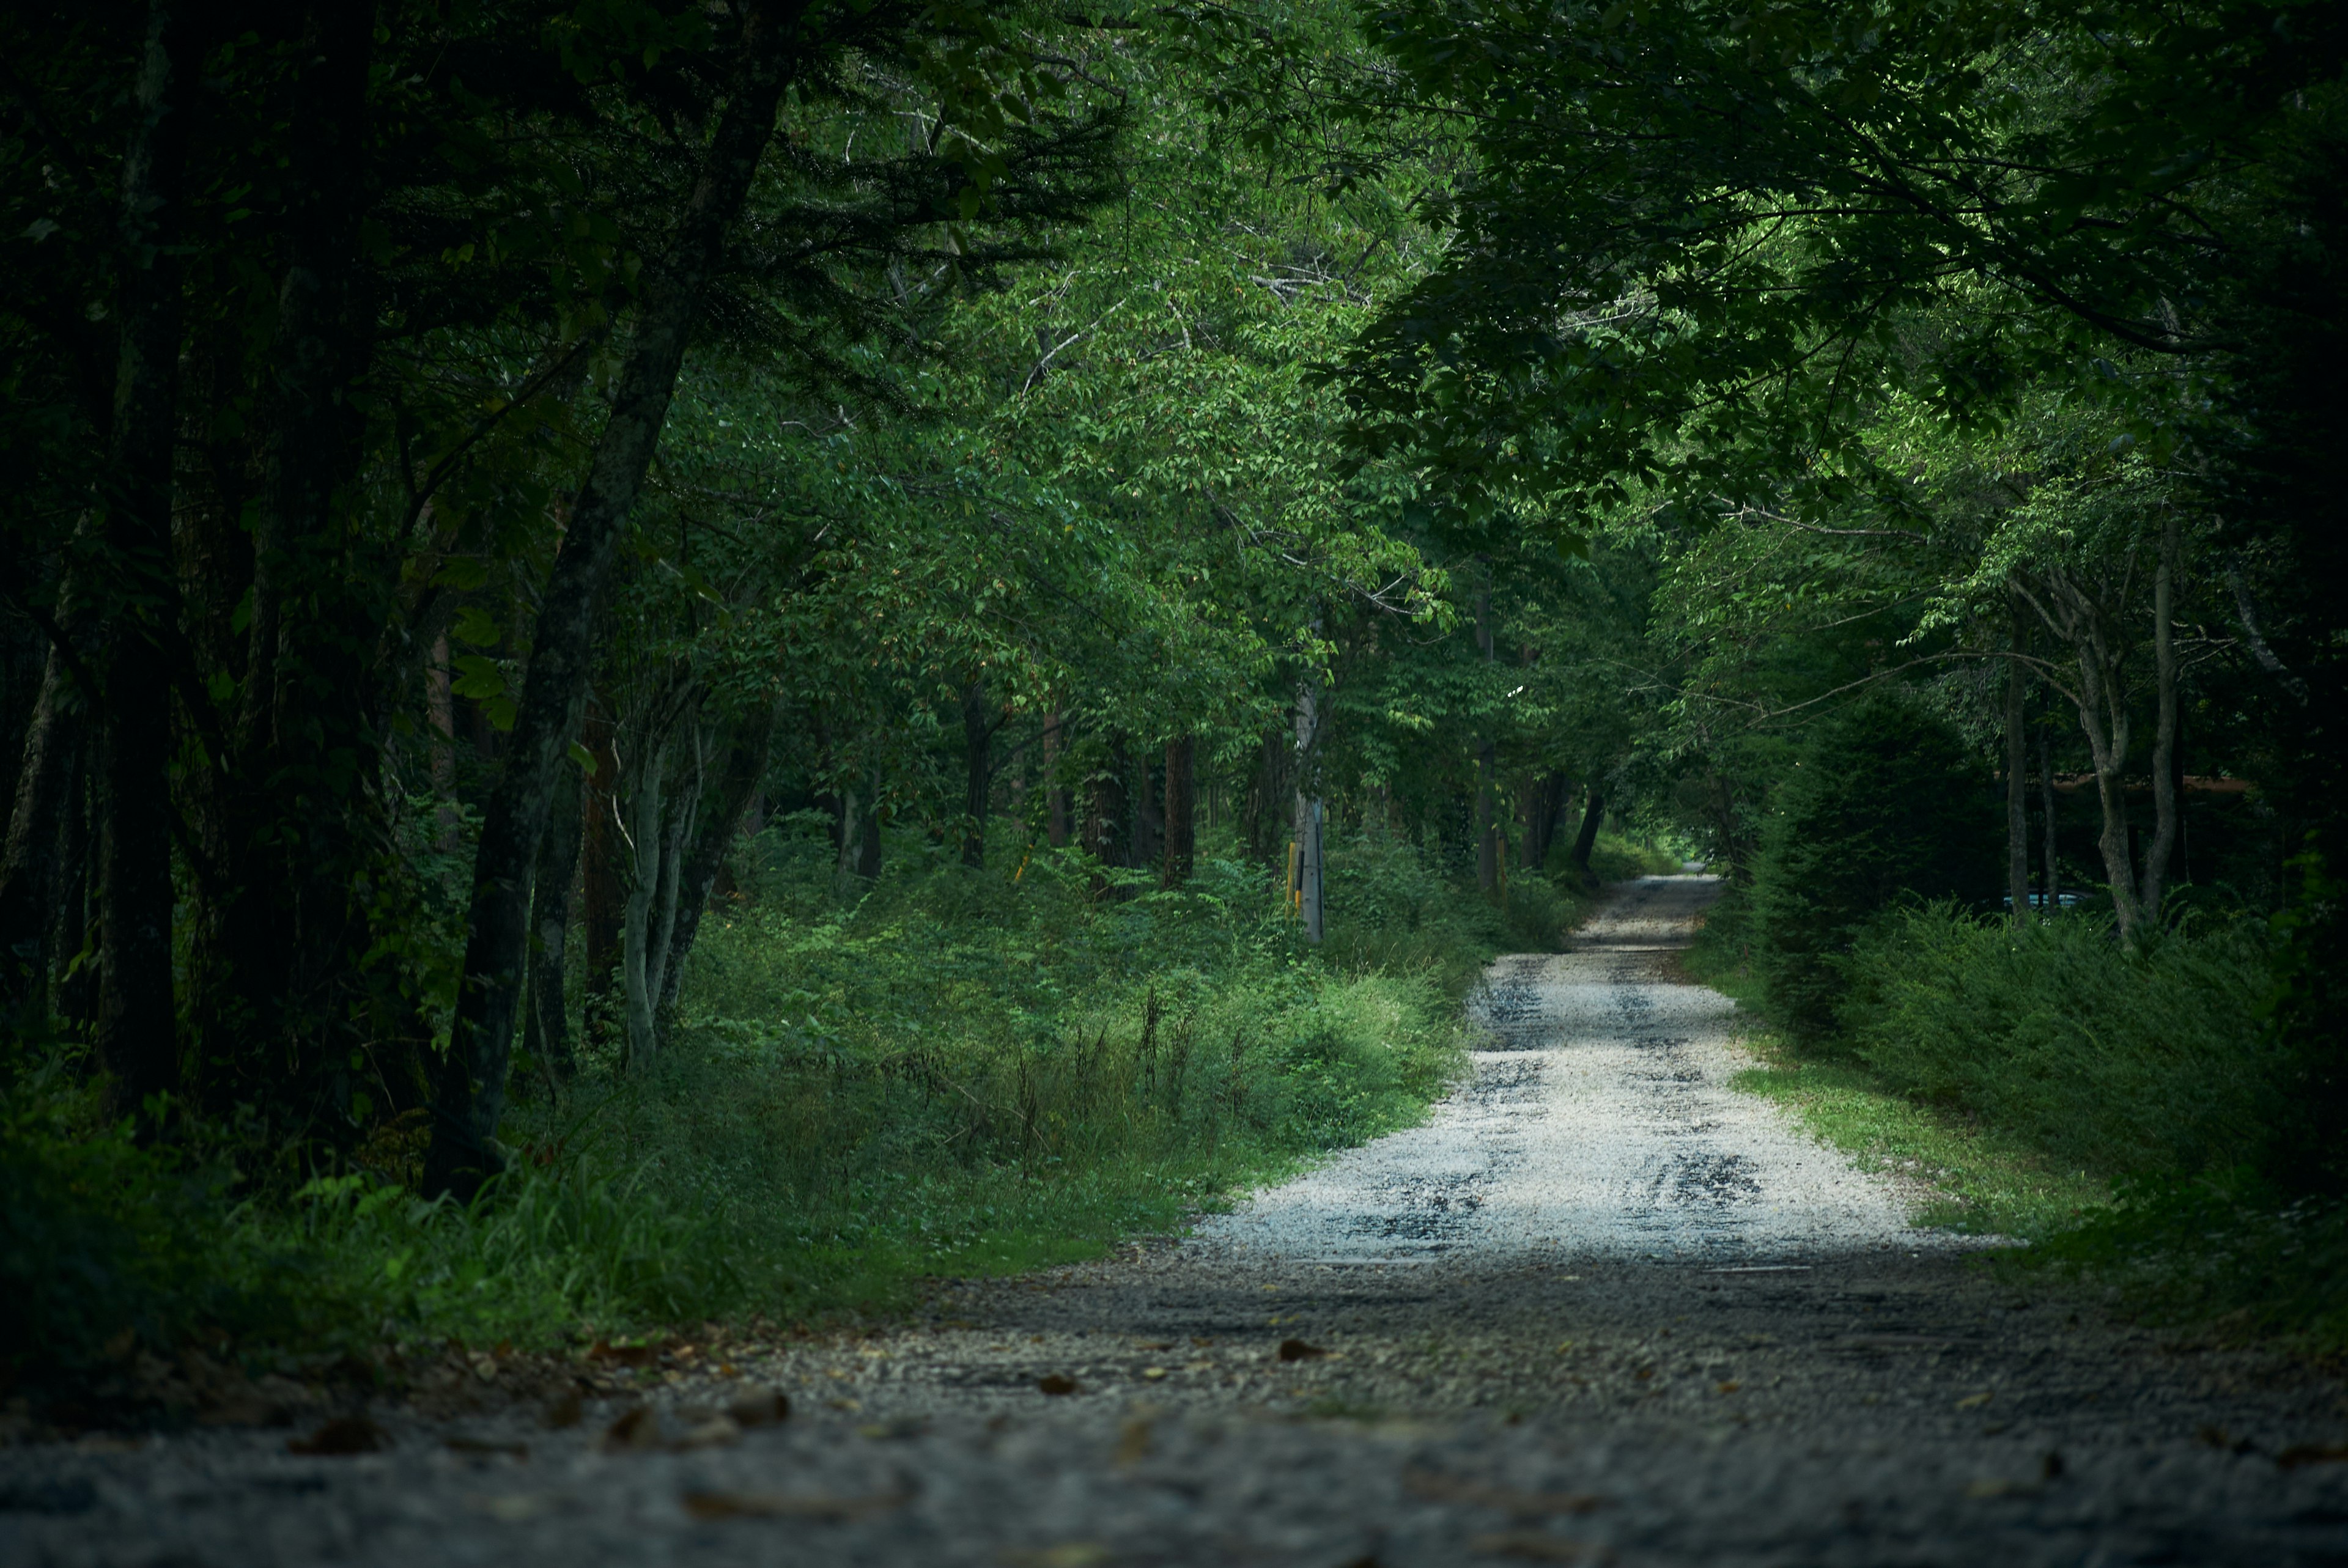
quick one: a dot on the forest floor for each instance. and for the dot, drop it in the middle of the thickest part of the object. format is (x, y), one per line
(1600, 1308)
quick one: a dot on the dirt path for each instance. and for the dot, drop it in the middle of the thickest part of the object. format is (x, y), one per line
(1601, 1309)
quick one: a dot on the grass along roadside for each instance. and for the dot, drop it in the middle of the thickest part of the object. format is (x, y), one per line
(947, 1074)
(1978, 1178)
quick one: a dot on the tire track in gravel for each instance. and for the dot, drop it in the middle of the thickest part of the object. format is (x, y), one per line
(1600, 1308)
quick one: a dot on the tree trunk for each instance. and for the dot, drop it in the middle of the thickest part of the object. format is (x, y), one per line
(2165, 792)
(1309, 815)
(2054, 893)
(1544, 801)
(1488, 827)
(1106, 811)
(2017, 772)
(33, 877)
(603, 884)
(1056, 792)
(472, 1085)
(1147, 843)
(1593, 816)
(1182, 809)
(440, 719)
(978, 771)
(137, 1036)
(718, 825)
(546, 1029)
(636, 917)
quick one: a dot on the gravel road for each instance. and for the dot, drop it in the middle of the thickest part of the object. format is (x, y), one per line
(1601, 1309)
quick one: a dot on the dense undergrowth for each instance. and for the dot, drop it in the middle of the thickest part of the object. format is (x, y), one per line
(945, 1072)
(2112, 1107)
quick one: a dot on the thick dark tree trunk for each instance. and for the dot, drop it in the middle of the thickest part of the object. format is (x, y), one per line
(138, 1024)
(282, 1000)
(715, 828)
(1268, 814)
(1147, 843)
(2017, 773)
(1182, 809)
(978, 771)
(1593, 816)
(554, 688)
(546, 1028)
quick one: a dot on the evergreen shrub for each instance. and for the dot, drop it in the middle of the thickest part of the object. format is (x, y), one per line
(1885, 804)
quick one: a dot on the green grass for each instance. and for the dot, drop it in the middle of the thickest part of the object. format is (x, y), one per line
(951, 1073)
(1981, 1180)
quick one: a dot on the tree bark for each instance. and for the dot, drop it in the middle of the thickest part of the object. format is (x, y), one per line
(31, 878)
(1544, 804)
(1056, 792)
(137, 1037)
(978, 770)
(440, 719)
(1309, 815)
(718, 823)
(1182, 809)
(546, 1029)
(2047, 799)
(471, 1097)
(603, 884)
(2165, 794)
(1487, 828)
(2017, 771)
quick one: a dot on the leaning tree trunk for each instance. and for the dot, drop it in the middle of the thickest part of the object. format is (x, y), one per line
(137, 1036)
(718, 820)
(1593, 816)
(472, 1088)
(2017, 773)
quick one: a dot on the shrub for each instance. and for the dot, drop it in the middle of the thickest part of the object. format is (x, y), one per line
(2117, 1062)
(1885, 804)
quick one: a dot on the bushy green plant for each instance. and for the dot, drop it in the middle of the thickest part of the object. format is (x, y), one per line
(2109, 1061)
(105, 1246)
(1885, 804)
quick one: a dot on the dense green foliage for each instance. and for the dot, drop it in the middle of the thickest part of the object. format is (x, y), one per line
(1886, 803)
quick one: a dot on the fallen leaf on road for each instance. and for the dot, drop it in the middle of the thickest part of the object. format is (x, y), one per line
(1153, 1373)
(1132, 1443)
(622, 1354)
(1538, 1547)
(763, 1408)
(2299, 1454)
(715, 1505)
(1974, 1401)
(634, 1431)
(343, 1436)
(1729, 1387)
(711, 1434)
(1298, 1350)
(1053, 1383)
